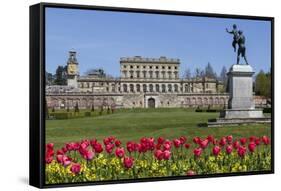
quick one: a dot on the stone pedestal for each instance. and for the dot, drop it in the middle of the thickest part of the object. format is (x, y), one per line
(241, 105)
(241, 102)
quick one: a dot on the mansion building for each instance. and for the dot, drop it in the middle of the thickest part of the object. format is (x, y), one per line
(143, 83)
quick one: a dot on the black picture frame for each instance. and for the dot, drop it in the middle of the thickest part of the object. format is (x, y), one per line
(37, 91)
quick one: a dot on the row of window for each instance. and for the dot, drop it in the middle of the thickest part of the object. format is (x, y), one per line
(151, 88)
(149, 74)
(150, 67)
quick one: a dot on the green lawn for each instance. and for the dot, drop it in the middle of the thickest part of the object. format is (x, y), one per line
(129, 124)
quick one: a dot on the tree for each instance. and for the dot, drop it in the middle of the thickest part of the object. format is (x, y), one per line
(49, 78)
(198, 73)
(223, 77)
(61, 75)
(209, 71)
(263, 84)
(223, 74)
(187, 74)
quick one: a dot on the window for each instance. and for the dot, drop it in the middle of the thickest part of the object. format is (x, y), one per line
(125, 88)
(131, 74)
(163, 67)
(169, 67)
(157, 88)
(138, 88)
(170, 75)
(163, 74)
(150, 67)
(144, 74)
(131, 66)
(144, 88)
(138, 74)
(156, 67)
(143, 67)
(176, 67)
(150, 74)
(131, 88)
(176, 88)
(150, 87)
(169, 88)
(157, 74)
(163, 88)
(124, 66)
(176, 74)
(138, 66)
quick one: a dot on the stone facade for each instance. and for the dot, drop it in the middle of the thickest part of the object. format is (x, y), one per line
(143, 83)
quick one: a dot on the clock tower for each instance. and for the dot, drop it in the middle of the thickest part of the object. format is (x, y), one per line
(72, 70)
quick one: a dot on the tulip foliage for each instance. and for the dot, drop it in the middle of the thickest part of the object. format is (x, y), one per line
(90, 160)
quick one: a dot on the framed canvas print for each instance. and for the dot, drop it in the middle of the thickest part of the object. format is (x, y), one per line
(126, 95)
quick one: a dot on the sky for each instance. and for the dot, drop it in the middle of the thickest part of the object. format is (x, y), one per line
(101, 38)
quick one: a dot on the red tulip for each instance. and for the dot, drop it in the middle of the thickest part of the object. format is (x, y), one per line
(236, 144)
(48, 159)
(109, 148)
(252, 146)
(166, 155)
(177, 143)
(120, 152)
(160, 140)
(210, 138)
(197, 152)
(75, 168)
(186, 145)
(64, 160)
(228, 149)
(265, 140)
(167, 145)
(252, 138)
(117, 143)
(64, 149)
(242, 151)
(196, 140)
(257, 141)
(98, 147)
(243, 141)
(223, 141)
(216, 150)
(183, 139)
(128, 162)
(88, 154)
(130, 146)
(229, 138)
(204, 143)
(158, 154)
(158, 146)
(190, 173)
(50, 146)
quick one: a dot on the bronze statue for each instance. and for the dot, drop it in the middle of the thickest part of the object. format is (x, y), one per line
(241, 47)
(238, 38)
(235, 36)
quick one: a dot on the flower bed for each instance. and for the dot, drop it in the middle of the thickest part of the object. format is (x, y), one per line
(90, 160)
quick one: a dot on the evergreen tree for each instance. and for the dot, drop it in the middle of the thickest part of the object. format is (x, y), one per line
(209, 71)
(61, 75)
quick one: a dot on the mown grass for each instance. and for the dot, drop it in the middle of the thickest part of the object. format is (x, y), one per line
(132, 124)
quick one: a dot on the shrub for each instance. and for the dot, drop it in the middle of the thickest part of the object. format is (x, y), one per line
(267, 110)
(87, 114)
(62, 115)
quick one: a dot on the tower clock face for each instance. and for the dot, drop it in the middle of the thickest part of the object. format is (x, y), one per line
(71, 69)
